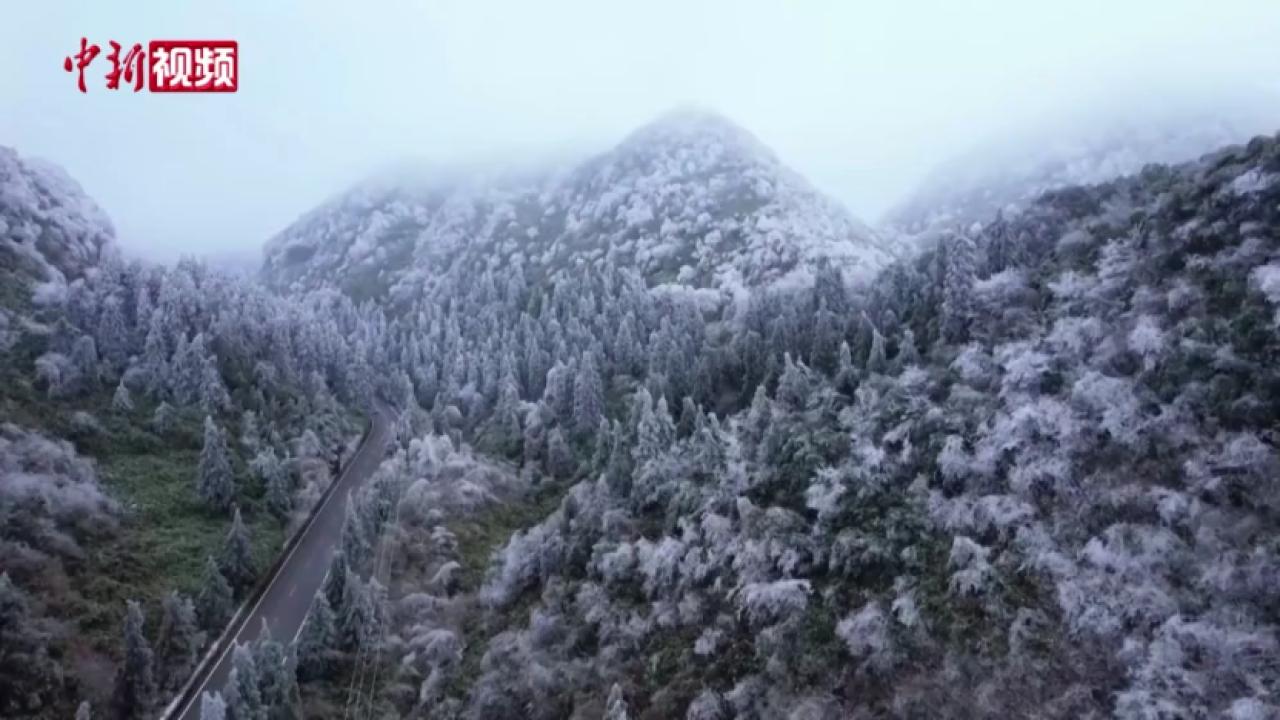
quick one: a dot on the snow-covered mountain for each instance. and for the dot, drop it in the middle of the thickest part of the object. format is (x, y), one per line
(690, 198)
(49, 229)
(1007, 173)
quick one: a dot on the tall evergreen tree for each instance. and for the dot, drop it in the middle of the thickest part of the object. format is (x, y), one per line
(290, 704)
(178, 642)
(135, 687)
(588, 396)
(216, 600)
(275, 477)
(122, 401)
(356, 624)
(355, 536)
(957, 288)
(616, 705)
(215, 483)
(236, 562)
(244, 699)
(335, 581)
(559, 456)
(269, 658)
(318, 640)
(164, 418)
(876, 362)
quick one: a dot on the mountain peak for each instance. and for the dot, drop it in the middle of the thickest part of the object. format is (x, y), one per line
(690, 198)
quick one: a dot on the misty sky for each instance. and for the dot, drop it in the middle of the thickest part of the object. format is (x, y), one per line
(863, 98)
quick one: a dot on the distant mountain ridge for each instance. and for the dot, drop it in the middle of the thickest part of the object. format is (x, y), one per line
(690, 199)
(1007, 174)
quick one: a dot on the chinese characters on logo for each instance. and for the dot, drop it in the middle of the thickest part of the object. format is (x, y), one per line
(167, 65)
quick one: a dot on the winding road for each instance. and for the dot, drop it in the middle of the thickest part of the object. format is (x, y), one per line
(284, 604)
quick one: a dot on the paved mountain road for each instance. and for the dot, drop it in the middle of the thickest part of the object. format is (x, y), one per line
(286, 601)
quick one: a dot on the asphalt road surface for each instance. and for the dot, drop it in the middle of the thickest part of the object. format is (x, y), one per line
(285, 604)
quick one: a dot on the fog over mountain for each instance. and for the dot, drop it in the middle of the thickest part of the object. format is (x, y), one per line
(865, 100)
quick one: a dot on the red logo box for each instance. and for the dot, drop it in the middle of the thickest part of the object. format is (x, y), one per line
(193, 66)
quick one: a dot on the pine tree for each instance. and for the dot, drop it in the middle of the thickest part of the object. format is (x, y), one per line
(355, 537)
(602, 445)
(335, 581)
(559, 456)
(213, 393)
(236, 562)
(84, 357)
(356, 622)
(178, 642)
(212, 706)
(275, 477)
(135, 687)
(244, 699)
(908, 353)
(164, 418)
(588, 396)
(793, 386)
(558, 395)
(616, 706)
(155, 356)
(617, 473)
(112, 336)
(957, 288)
(846, 371)
(826, 339)
(876, 362)
(290, 705)
(269, 658)
(318, 640)
(216, 600)
(121, 401)
(508, 407)
(215, 484)
(250, 435)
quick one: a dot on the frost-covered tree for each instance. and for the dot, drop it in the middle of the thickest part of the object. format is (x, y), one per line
(135, 687)
(215, 483)
(269, 659)
(588, 396)
(357, 625)
(356, 544)
(216, 600)
(164, 418)
(335, 580)
(793, 386)
(957, 288)
(122, 401)
(317, 641)
(275, 477)
(559, 457)
(236, 562)
(616, 705)
(244, 698)
(178, 642)
(212, 706)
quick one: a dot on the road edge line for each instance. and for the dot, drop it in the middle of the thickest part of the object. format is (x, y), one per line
(219, 649)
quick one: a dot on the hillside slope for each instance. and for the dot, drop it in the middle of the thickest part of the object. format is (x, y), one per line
(1027, 472)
